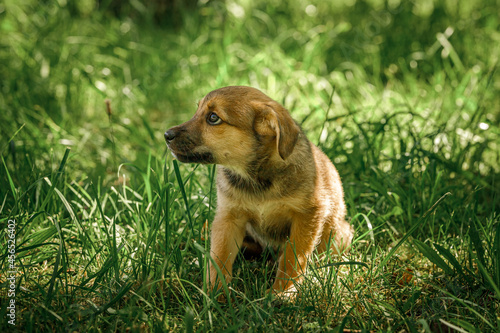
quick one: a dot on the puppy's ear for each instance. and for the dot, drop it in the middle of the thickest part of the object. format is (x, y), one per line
(271, 119)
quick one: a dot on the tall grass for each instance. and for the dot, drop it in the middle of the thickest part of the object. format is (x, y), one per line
(111, 235)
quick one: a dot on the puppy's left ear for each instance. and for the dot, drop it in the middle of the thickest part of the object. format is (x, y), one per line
(271, 119)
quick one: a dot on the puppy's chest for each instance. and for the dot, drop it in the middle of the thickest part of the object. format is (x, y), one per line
(270, 222)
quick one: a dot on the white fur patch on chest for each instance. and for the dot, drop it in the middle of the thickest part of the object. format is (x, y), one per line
(270, 222)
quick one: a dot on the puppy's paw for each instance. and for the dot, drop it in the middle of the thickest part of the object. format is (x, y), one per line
(285, 295)
(221, 298)
(219, 294)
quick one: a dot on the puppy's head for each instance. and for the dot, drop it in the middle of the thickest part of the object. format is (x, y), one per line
(235, 127)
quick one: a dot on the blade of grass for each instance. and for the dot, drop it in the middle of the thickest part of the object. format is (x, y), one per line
(468, 304)
(487, 277)
(410, 232)
(345, 263)
(453, 327)
(3, 203)
(330, 101)
(450, 257)
(55, 180)
(184, 196)
(11, 138)
(476, 242)
(105, 267)
(55, 271)
(496, 254)
(123, 290)
(11, 183)
(111, 239)
(433, 256)
(189, 320)
(69, 209)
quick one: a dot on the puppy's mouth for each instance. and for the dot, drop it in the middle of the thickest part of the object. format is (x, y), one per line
(190, 157)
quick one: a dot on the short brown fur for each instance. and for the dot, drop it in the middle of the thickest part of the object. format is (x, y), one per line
(273, 185)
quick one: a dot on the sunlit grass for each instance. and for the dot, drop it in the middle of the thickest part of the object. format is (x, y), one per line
(402, 97)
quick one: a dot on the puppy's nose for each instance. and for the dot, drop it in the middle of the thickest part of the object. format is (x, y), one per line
(169, 135)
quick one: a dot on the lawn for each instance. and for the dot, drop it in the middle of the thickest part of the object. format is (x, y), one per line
(104, 231)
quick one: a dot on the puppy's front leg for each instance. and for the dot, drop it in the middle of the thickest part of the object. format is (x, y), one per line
(227, 236)
(293, 261)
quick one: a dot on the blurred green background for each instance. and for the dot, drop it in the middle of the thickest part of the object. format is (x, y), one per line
(153, 60)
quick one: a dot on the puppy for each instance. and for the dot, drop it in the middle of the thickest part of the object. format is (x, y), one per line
(274, 187)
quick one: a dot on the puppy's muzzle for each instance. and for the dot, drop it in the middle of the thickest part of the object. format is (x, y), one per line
(187, 146)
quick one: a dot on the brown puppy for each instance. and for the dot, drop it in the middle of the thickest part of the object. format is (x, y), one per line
(273, 185)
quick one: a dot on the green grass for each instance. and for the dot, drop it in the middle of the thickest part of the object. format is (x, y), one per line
(403, 97)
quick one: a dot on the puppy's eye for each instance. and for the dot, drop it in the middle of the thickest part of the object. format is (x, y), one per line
(213, 119)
